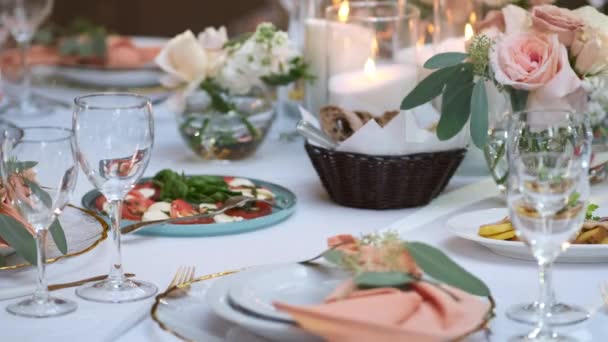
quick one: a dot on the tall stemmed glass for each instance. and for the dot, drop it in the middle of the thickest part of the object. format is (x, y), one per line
(114, 136)
(39, 174)
(22, 18)
(549, 153)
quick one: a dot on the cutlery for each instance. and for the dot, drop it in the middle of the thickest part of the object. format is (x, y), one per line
(315, 135)
(180, 284)
(28, 290)
(231, 203)
(311, 261)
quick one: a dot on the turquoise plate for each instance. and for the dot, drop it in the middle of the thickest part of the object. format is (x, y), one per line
(283, 197)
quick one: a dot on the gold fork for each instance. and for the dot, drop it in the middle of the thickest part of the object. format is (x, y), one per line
(181, 281)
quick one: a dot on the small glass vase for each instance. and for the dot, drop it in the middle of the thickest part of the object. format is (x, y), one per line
(232, 135)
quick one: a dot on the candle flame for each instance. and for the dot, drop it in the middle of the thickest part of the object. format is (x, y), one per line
(343, 11)
(468, 32)
(473, 18)
(370, 68)
(374, 47)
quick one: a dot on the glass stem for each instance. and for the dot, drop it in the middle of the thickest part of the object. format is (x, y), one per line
(41, 295)
(116, 274)
(545, 300)
(24, 48)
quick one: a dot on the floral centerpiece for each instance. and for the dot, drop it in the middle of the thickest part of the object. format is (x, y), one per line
(15, 232)
(544, 58)
(225, 87)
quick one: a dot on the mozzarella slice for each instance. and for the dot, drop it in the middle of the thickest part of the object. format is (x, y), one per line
(207, 206)
(147, 192)
(261, 193)
(238, 182)
(154, 215)
(223, 218)
(160, 206)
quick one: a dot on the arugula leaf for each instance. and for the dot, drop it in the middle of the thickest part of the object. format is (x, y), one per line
(18, 237)
(383, 279)
(439, 266)
(429, 88)
(59, 236)
(195, 189)
(444, 60)
(590, 209)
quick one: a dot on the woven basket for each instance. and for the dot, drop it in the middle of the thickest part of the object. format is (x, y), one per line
(384, 182)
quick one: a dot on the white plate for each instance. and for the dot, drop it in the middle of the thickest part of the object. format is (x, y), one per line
(145, 76)
(294, 284)
(217, 298)
(467, 225)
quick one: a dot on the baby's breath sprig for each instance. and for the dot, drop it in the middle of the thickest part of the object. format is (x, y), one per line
(479, 54)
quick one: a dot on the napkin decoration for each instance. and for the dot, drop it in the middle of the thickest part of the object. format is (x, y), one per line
(391, 296)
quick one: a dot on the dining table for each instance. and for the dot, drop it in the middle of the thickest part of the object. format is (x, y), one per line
(284, 161)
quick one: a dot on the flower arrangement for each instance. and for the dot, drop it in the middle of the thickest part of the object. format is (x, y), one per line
(14, 229)
(265, 58)
(548, 57)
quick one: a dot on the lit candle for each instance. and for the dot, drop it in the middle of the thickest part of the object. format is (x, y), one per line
(375, 89)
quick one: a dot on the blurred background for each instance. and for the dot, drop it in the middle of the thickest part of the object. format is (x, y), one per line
(166, 18)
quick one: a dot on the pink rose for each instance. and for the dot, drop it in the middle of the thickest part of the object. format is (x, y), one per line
(494, 18)
(552, 19)
(534, 62)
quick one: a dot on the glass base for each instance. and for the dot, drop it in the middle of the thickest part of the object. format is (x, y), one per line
(110, 291)
(35, 107)
(535, 336)
(561, 314)
(40, 309)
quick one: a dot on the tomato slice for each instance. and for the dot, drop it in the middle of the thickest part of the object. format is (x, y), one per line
(228, 179)
(135, 206)
(181, 208)
(148, 185)
(259, 209)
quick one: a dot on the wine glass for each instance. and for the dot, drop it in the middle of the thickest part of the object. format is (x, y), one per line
(114, 137)
(22, 18)
(549, 153)
(39, 175)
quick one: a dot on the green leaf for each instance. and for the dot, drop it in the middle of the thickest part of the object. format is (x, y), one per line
(39, 192)
(429, 88)
(456, 103)
(590, 209)
(479, 114)
(383, 279)
(59, 236)
(16, 166)
(519, 99)
(2, 260)
(334, 256)
(439, 266)
(444, 60)
(18, 237)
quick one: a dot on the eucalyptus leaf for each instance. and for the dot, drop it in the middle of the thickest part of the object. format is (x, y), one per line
(440, 267)
(18, 237)
(456, 103)
(2, 260)
(17, 166)
(39, 192)
(479, 114)
(429, 88)
(334, 256)
(58, 235)
(383, 279)
(444, 60)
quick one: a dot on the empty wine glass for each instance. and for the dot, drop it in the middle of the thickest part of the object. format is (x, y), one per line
(39, 174)
(114, 137)
(549, 154)
(22, 18)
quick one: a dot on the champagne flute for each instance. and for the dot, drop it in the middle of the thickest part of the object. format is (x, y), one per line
(114, 137)
(39, 175)
(549, 154)
(22, 18)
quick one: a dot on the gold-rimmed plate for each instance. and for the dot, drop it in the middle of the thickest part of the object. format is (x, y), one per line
(84, 230)
(194, 316)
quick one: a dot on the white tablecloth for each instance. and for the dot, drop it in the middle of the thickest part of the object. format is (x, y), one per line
(303, 235)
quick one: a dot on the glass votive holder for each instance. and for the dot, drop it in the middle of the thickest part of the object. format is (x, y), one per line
(371, 49)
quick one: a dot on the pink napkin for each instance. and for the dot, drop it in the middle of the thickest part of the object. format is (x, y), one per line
(425, 313)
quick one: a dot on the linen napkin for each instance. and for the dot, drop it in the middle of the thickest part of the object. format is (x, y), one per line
(426, 313)
(409, 132)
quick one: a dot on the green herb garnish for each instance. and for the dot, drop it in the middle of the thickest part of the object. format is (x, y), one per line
(194, 189)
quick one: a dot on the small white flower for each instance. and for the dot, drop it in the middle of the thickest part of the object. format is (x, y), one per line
(212, 39)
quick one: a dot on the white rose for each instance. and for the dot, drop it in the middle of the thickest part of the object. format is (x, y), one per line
(590, 46)
(184, 59)
(212, 39)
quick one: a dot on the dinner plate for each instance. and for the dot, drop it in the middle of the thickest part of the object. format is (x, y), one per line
(283, 197)
(83, 230)
(294, 284)
(145, 76)
(467, 225)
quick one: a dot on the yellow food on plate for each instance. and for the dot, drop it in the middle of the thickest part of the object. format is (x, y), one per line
(500, 227)
(508, 235)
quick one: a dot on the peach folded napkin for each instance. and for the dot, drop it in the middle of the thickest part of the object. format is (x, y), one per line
(423, 314)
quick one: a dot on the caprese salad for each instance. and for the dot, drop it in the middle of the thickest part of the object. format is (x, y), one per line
(171, 195)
